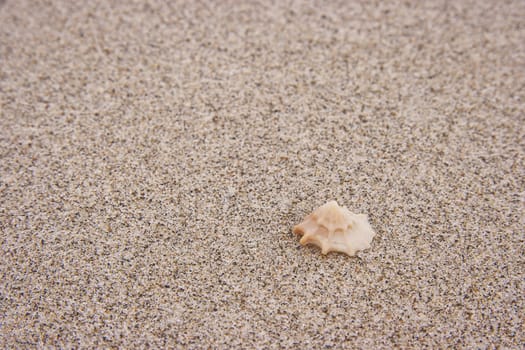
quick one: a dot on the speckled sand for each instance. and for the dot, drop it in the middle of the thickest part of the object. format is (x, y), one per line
(154, 158)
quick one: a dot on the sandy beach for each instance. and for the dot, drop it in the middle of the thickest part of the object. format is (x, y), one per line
(155, 155)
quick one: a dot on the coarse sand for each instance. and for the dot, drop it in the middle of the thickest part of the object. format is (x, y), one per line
(155, 155)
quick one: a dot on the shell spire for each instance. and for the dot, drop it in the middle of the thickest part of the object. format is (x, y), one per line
(335, 229)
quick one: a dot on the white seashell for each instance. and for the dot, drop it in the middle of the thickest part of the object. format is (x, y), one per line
(335, 228)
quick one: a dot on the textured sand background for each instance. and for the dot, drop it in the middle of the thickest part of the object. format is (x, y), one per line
(154, 158)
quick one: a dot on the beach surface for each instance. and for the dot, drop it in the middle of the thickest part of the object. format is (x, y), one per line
(154, 157)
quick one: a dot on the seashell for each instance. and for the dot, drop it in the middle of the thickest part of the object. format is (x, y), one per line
(335, 229)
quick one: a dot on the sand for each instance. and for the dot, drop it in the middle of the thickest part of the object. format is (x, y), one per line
(154, 158)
